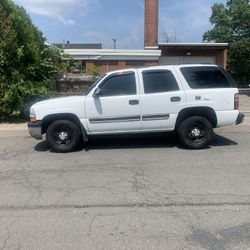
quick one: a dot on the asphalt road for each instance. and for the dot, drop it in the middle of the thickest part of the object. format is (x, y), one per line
(126, 193)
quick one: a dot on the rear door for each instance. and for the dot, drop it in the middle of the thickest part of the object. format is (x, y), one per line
(162, 98)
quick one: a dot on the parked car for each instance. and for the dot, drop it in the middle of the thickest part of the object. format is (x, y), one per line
(189, 99)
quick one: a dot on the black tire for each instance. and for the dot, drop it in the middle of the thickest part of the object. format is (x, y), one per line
(195, 132)
(63, 136)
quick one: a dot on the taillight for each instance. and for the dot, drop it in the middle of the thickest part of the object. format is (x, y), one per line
(236, 101)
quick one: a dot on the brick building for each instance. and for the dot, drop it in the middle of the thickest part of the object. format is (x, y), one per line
(154, 53)
(111, 59)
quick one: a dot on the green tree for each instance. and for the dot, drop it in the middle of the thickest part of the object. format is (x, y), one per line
(231, 24)
(27, 64)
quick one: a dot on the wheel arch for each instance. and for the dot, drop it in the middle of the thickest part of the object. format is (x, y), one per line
(47, 120)
(206, 112)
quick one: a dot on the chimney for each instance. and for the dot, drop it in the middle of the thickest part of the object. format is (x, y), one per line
(151, 23)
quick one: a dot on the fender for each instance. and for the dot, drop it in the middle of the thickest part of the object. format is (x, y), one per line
(47, 120)
(206, 112)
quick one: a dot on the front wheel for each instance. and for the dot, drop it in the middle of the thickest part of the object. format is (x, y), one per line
(195, 132)
(63, 136)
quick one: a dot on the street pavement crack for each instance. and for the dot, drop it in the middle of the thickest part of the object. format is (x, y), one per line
(127, 205)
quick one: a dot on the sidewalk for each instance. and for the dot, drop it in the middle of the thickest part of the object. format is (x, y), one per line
(13, 126)
(244, 107)
(245, 103)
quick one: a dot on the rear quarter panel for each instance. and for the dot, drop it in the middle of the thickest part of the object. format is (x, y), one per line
(221, 100)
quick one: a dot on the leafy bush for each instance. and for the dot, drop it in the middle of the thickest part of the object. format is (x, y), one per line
(27, 64)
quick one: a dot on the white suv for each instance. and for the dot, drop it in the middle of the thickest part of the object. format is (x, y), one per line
(188, 99)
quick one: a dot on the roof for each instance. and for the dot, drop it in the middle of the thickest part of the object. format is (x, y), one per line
(194, 45)
(113, 54)
(79, 45)
(159, 67)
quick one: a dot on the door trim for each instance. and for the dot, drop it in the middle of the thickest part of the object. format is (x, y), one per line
(115, 119)
(155, 117)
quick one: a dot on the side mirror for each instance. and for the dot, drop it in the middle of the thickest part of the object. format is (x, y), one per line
(97, 93)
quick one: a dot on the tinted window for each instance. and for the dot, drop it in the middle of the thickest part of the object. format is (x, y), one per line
(156, 81)
(205, 77)
(123, 84)
(93, 85)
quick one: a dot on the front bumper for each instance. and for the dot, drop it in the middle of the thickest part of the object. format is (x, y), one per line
(240, 118)
(35, 129)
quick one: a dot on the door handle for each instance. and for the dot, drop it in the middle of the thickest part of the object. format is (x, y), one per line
(175, 99)
(133, 102)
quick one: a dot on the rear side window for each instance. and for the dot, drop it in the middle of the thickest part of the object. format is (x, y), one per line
(205, 77)
(158, 81)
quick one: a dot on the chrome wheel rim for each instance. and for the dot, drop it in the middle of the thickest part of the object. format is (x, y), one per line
(196, 132)
(63, 137)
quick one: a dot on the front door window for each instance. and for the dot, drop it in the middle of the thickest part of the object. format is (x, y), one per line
(120, 84)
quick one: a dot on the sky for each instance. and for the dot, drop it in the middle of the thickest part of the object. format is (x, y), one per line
(98, 21)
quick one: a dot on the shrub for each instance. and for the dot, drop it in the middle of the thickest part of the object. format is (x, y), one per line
(27, 64)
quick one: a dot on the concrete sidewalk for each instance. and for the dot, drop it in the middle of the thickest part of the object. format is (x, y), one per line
(244, 107)
(245, 103)
(13, 126)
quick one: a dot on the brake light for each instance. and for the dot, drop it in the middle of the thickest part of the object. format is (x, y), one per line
(236, 101)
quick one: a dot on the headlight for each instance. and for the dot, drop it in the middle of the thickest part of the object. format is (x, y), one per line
(32, 115)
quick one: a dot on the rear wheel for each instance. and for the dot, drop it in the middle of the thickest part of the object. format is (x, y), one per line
(63, 136)
(195, 132)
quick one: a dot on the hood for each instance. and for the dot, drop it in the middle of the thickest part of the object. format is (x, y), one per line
(58, 101)
(71, 104)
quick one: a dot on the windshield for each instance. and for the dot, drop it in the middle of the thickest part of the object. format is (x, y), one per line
(93, 85)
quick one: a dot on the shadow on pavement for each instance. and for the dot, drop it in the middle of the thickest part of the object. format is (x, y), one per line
(42, 147)
(222, 141)
(227, 236)
(162, 140)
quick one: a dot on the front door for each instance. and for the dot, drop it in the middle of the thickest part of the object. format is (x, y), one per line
(116, 108)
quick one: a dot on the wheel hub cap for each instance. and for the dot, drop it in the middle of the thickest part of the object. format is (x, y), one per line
(63, 136)
(196, 132)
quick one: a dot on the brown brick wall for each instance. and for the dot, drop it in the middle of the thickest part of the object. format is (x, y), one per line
(107, 66)
(137, 64)
(151, 23)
